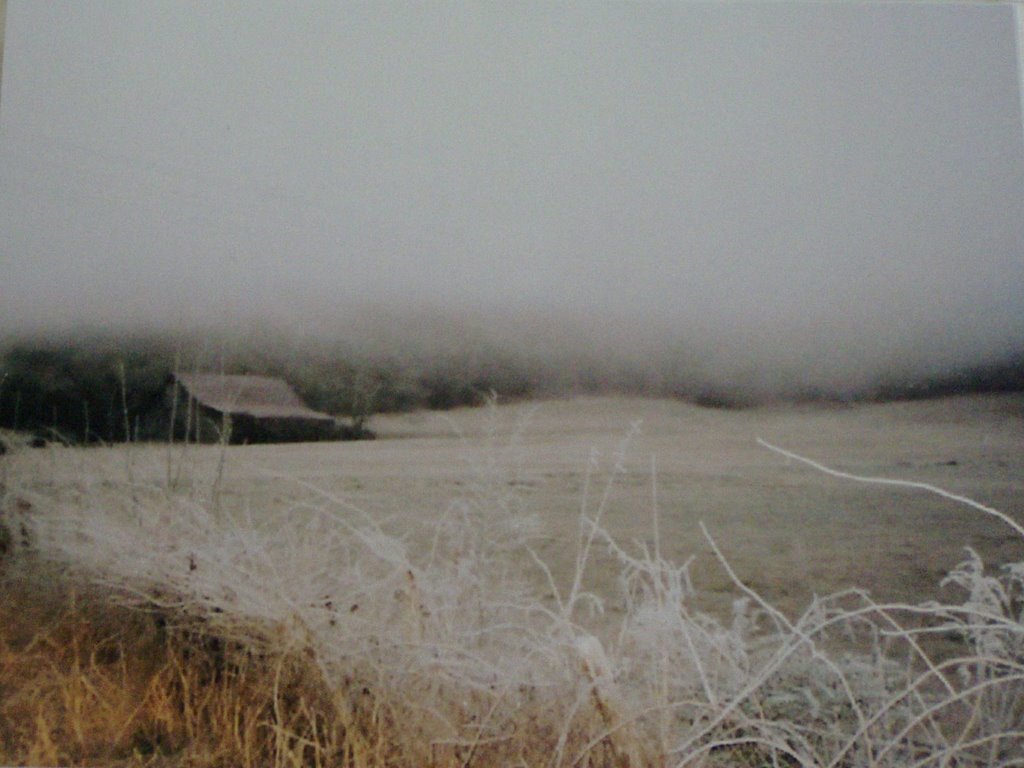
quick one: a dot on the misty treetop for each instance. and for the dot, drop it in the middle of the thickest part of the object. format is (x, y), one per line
(104, 388)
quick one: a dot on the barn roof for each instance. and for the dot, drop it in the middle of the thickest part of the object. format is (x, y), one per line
(258, 396)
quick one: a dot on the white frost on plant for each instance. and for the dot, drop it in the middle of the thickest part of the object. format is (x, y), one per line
(457, 637)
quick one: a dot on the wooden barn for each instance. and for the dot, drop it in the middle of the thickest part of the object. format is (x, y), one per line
(246, 409)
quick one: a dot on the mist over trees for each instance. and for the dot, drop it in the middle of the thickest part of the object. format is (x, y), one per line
(108, 386)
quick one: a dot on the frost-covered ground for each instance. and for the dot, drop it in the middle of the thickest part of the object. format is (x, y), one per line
(787, 529)
(514, 580)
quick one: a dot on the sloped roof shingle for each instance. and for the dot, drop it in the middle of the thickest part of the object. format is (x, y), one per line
(257, 396)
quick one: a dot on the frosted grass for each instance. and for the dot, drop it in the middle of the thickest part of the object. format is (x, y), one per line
(476, 653)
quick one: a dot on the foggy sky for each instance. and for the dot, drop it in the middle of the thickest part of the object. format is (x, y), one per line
(822, 186)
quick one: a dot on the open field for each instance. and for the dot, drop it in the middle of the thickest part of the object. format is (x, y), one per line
(788, 530)
(413, 567)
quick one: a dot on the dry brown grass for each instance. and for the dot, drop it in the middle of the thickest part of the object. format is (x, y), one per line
(84, 681)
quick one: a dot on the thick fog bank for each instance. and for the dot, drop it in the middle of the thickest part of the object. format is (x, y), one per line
(433, 357)
(732, 202)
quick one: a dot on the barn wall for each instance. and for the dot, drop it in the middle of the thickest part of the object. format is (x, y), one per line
(246, 429)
